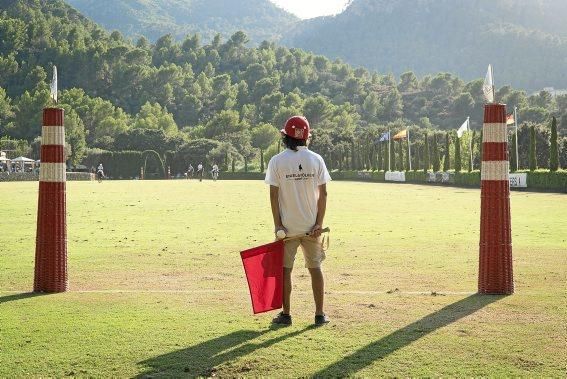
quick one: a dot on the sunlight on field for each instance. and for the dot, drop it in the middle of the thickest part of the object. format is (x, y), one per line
(157, 285)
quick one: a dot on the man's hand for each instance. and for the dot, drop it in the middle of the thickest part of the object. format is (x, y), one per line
(316, 231)
(280, 227)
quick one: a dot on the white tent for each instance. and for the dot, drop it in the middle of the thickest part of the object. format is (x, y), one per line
(22, 160)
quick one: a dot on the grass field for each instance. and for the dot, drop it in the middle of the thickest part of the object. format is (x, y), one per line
(157, 286)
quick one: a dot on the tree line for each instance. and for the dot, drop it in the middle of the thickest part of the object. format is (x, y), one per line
(174, 96)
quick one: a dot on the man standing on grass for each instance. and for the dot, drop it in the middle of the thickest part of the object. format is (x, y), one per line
(298, 196)
(200, 171)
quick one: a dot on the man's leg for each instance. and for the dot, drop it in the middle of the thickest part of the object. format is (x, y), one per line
(286, 290)
(318, 285)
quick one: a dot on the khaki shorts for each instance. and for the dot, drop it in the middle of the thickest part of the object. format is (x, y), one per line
(312, 251)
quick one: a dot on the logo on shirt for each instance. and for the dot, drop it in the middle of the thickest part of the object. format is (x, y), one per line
(300, 168)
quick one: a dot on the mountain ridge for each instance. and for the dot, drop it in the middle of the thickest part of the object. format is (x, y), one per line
(369, 33)
(260, 19)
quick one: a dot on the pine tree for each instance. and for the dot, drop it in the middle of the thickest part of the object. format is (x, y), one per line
(447, 160)
(553, 151)
(533, 161)
(426, 162)
(458, 155)
(436, 160)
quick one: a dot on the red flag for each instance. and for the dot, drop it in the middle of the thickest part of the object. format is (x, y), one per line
(263, 266)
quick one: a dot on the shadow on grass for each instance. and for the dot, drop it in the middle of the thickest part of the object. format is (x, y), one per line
(203, 359)
(20, 296)
(365, 356)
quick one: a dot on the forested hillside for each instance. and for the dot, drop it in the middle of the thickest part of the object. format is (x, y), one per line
(260, 19)
(526, 41)
(222, 98)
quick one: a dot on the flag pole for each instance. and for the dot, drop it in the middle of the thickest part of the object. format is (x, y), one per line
(409, 150)
(516, 132)
(470, 141)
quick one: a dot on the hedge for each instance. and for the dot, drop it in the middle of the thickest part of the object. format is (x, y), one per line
(555, 181)
(538, 180)
(117, 165)
(467, 179)
(34, 177)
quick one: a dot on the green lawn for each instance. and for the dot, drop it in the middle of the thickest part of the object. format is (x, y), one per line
(157, 286)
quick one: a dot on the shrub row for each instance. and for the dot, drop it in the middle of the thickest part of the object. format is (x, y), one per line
(539, 180)
(126, 164)
(34, 177)
(548, 181)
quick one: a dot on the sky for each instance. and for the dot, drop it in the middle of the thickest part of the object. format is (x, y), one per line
(311, 8)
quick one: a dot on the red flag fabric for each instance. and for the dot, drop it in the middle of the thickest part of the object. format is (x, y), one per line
(263, 266)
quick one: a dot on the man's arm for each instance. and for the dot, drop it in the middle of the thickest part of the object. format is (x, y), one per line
(321, 208)
(275, 202)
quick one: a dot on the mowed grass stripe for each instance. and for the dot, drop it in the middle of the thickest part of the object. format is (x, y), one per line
(158, 289)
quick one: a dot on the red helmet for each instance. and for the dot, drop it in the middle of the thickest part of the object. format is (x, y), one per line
(296, 127)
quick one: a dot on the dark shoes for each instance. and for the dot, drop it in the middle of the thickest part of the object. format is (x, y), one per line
(282, 319)
(285, 319)
(321, 319)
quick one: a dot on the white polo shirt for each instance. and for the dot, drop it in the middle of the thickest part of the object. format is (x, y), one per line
(298, 174)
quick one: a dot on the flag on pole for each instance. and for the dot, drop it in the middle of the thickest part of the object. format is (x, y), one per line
(401, 135)
(464, 128)
(384, 137)
(488, 86)
(263, 266)
(510, 119)
(54, 84)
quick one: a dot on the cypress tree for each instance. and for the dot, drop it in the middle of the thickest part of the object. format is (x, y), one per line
(470, 158)
(393, 155)
(512, 153)
(426, 162)
(386, 161)
(417, 158)
(533, 161)
(458, 155)
(353, 152)
(436, 160)
(447, 160)
(380, 154)
(553, 151)
(400, 159)
(408, 157)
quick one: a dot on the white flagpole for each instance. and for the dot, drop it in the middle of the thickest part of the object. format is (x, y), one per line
(409, 150)
(470, 140)
(389, 151)
(516, 131)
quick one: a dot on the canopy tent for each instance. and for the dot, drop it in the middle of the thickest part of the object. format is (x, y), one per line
(21, 163)
(22, 160)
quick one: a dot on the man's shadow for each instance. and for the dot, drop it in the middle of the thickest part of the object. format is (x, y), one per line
(202, 359)
(385, 346)
(20, 296)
